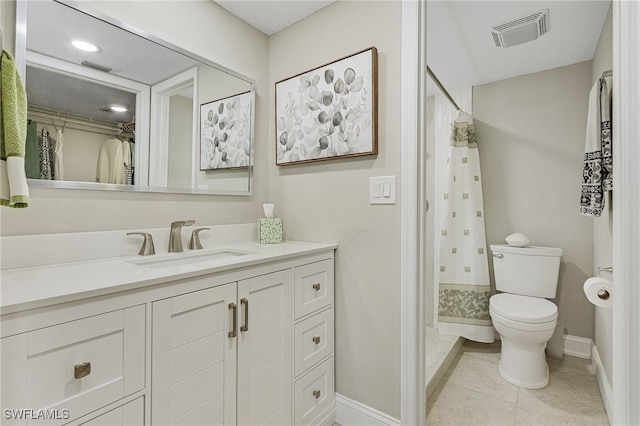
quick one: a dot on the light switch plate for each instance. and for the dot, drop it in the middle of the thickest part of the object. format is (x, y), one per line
(382, 190)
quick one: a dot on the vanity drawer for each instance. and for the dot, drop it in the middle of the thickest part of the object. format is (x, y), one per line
(314, 393)
(313, 287)
(77, 367)
(313, 340)
(131, 413)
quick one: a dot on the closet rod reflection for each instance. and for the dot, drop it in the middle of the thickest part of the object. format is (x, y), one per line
(111, 132)
(442, 88)
(112, 128)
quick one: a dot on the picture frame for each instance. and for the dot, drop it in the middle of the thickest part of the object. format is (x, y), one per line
(225, 133)
(329, 112)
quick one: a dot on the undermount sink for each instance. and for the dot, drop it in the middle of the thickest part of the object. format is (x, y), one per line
(189, 258)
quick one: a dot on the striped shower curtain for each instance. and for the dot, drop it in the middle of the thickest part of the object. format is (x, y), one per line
(464, 291)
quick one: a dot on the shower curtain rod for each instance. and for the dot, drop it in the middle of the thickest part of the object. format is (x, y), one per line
(442, 89)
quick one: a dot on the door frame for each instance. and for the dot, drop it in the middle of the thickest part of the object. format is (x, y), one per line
(626, 210)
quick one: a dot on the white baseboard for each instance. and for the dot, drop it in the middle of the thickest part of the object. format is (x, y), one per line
(354, 413)
(577, 346)
(603, 383)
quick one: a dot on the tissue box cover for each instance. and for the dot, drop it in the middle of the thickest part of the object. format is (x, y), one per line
(270, 231)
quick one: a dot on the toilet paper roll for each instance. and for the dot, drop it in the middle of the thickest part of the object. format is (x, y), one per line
(599, 291)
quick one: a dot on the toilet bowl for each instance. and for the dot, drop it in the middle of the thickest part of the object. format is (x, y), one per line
(525, 325)
(525, 277)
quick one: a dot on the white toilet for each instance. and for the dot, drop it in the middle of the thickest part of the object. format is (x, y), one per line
(525, 320)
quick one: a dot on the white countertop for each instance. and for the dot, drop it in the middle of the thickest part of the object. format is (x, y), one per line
(38, 286)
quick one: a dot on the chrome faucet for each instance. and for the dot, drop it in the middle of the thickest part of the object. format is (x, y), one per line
(147, 244)
(175, 236)
(194, 242)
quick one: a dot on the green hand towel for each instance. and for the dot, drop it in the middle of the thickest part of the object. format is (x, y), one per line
(14, 191)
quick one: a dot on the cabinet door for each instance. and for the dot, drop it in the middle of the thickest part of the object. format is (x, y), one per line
(194, 358)
(264, 349)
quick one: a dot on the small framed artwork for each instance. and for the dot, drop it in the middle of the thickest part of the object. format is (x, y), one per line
(329, 112)
(225, 132)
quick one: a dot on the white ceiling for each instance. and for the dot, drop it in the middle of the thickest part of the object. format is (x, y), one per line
(271, 16)
(461, 50)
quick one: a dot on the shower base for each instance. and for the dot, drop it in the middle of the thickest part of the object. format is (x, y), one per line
(440, 352)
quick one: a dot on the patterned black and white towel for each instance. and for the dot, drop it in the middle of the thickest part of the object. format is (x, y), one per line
(597, 173)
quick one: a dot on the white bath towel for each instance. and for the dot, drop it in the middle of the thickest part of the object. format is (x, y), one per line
(598, 160)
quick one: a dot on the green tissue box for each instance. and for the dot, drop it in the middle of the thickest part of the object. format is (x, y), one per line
(270, 231)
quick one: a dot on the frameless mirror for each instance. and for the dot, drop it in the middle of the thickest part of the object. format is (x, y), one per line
(126, 113)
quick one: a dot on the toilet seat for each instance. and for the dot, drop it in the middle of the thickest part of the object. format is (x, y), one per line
(524, 309)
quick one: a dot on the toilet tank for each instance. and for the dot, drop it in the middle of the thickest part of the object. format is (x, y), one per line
(529, 271)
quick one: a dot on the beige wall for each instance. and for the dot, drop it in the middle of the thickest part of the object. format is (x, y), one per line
(531, 132)
(603, 225)
(57, 210)
(329, 201)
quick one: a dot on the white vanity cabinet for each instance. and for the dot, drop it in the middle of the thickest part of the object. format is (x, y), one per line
(227, 344)
(222, 355)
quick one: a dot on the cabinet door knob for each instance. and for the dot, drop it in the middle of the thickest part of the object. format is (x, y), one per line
(316, 393)
(234, 314)
(81, 370)
(316, 286)
(316, 339)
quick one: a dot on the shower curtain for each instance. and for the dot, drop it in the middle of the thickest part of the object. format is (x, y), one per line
(464, 291)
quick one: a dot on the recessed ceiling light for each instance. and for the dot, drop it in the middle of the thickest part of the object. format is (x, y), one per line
(86, 46)
(118, 108)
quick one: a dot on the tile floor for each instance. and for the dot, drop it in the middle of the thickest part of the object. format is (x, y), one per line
(473, 393)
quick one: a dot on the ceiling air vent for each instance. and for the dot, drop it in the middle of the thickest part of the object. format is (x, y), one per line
(521, 30)
(96, 66)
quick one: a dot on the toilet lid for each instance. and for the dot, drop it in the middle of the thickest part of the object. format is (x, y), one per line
(523, 308)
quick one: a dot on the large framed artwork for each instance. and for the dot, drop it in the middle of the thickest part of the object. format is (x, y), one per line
(225, 133)
(329, 112)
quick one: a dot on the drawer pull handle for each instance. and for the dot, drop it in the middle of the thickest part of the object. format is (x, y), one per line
(316, 286)
(234, 308)
(316, 339)
(81, 370)
(245, 302)
(316, 393)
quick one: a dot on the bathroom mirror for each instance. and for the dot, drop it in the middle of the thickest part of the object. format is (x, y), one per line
(136, 89)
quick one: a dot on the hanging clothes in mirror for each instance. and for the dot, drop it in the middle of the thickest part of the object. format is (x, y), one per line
(58, 159)
(46, 155)
(111, 162)
(32, 154)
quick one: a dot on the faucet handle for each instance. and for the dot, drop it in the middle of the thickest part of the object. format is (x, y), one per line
(183, 223)
(194, 243)
(147, 245)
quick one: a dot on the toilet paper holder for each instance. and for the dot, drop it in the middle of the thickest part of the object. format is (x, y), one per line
(603, 293)
(607, 269)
